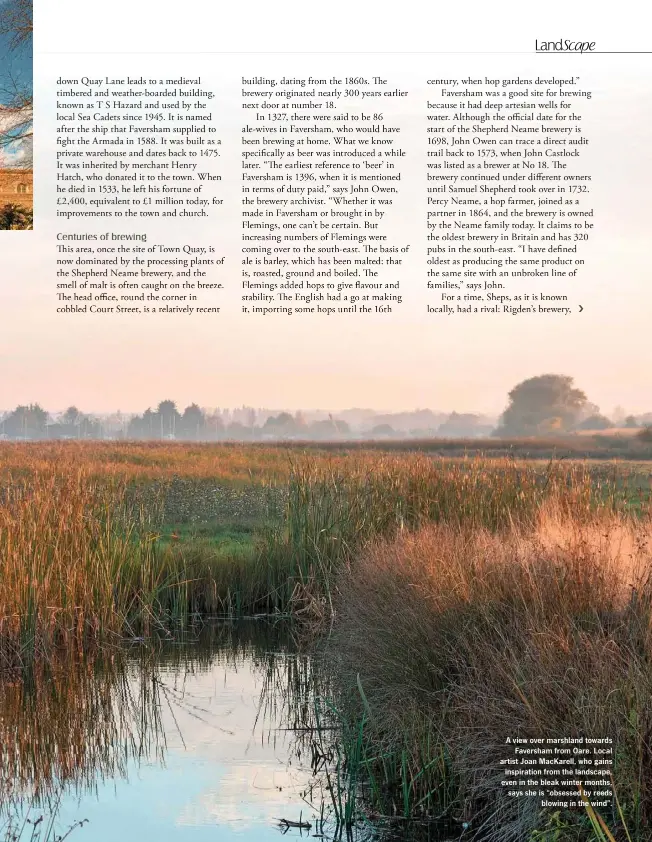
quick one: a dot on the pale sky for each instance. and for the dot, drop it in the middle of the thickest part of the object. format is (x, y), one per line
(405, 360)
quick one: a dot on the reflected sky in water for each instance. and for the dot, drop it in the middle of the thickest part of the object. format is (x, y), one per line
(229, 766)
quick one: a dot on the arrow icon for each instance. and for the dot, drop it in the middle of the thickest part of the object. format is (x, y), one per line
(581, 308)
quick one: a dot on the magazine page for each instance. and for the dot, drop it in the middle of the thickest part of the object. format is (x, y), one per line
(326, 423)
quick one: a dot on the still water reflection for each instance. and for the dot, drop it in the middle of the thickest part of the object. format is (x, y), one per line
(198, 739)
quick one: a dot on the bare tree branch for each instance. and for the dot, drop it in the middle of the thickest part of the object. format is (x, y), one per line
(16, 21)
(16, 110)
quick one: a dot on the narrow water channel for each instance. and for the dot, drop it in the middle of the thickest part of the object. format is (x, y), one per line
(199, 739)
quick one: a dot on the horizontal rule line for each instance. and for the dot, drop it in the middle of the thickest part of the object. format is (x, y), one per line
(595, 52)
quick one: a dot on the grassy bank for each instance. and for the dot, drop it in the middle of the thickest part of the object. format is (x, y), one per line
(88, 556)
(238, 464)
(333, 512)
(452, 639)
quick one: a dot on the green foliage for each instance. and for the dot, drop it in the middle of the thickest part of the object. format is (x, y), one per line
(595, 422)
(25, 422)
(16, 218)
(541, 405)
(645, 435)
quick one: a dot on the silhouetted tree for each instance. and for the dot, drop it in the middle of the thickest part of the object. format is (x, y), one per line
(383, 430)
(28, 421)
(595, 422)
(548, 403)
(142, 426)
(645, 434)
(71, 416)
(238, 431)
(214, 425)
(282, 424)
(330, 429)
(463, 425)
(192, 424)
(168, 419)
(165, 422)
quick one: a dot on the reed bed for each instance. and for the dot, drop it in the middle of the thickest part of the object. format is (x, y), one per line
(82, 565)
(227, 462)
(82, 560)
(451, 639)
(272, 463)
(63, 547)
(333, 511)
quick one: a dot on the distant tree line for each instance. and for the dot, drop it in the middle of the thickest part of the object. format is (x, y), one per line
(546, 405)
(196, 424)
(31, 421)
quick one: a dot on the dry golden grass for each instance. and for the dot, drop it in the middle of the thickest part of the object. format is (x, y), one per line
(82, 567)
(80, 560)
(625, 432)
(461, 638)
(66, 542)
(232, 462)
(148, 460)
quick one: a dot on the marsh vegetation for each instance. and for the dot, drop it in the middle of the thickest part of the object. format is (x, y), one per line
(447, 603)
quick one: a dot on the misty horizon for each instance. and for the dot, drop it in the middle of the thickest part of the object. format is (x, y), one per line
(616, 412)
(168, 420)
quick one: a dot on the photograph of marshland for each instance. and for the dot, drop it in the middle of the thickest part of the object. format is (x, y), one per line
(16, 115)
(241, 639)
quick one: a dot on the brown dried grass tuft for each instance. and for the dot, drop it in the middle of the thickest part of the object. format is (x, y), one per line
(461, 638)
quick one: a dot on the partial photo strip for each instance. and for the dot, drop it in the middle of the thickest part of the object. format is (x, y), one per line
(16, 115)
